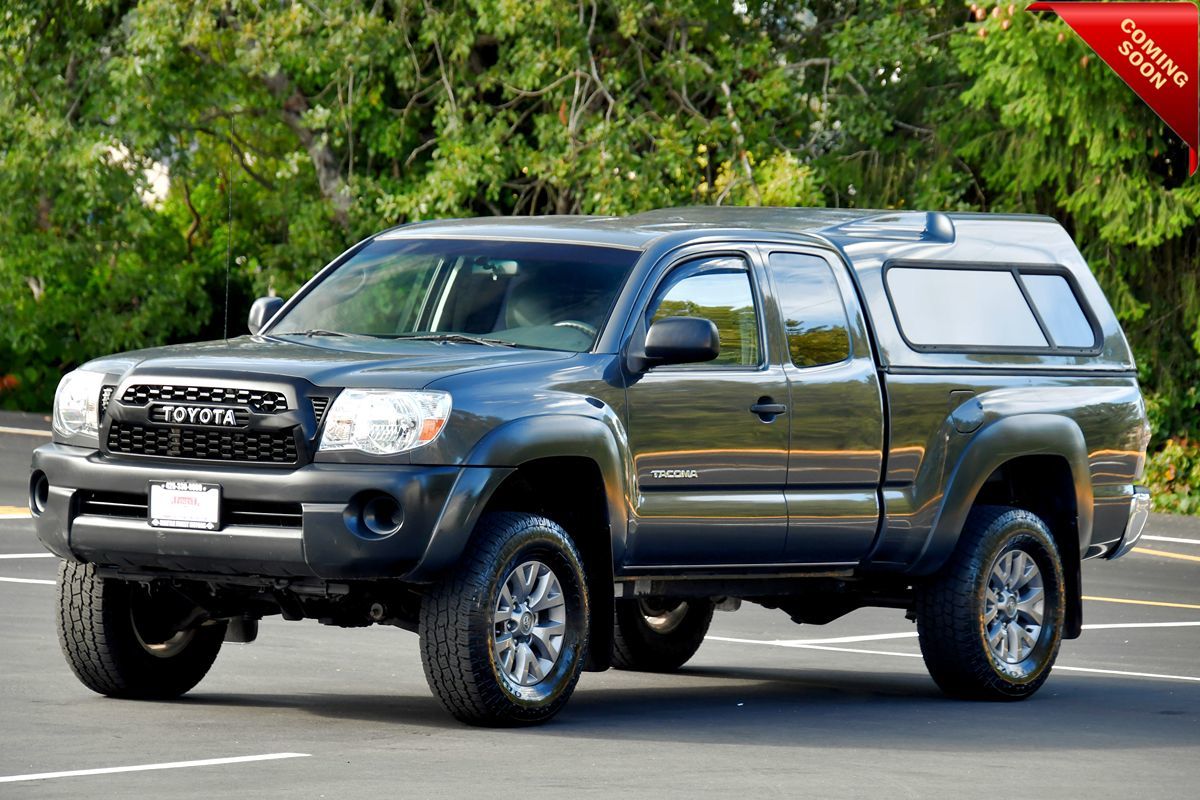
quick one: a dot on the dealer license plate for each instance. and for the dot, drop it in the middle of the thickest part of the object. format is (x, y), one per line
(185, 504)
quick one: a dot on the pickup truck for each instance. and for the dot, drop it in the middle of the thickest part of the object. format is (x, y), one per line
(555, 444)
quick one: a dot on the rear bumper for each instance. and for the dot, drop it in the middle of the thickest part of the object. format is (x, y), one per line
(320, 541)
(1139, 514)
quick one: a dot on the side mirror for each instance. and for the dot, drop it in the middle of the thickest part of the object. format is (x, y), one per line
(261, 312)
(682, 340)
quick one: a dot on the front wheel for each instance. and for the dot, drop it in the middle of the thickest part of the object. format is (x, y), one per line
(504, 638)
(990, 625)
(119, 639)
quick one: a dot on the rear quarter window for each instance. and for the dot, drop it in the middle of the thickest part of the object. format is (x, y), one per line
(1060, 310)
(988, 308)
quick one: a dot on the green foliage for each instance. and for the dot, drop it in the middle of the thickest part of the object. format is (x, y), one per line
(1174, 476)
(283, 132)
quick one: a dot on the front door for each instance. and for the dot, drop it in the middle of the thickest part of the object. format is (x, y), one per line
(710, 462)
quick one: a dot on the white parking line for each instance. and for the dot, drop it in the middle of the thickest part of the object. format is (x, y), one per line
(1112, 625)
(26, 555)
(27, 580)
(1174, 539)
(24, 431)
(875, 637)
(880, 637)
(1130, 674)
(207, 762)
(15, 516)
(808, 645)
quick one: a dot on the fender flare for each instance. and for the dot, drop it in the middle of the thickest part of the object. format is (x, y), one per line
(498, 454)
(994, 445)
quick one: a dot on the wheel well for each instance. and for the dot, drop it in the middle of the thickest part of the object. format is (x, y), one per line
(1044, 485)
(570, 490)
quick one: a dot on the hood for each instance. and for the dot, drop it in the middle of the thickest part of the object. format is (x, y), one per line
(333, 362)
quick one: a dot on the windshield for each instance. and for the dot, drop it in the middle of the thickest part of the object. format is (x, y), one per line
(526, 294)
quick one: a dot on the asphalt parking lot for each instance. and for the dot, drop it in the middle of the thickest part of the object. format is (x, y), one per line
(767, 708)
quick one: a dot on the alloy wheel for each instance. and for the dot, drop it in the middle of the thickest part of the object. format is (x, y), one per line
(530, 623)
(1014, 607)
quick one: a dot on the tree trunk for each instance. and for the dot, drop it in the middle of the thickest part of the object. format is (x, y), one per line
(324, 160)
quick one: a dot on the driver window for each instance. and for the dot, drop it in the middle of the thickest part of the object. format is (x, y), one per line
(717, 289)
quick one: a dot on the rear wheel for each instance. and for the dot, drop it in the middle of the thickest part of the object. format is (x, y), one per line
(120, 640)
(658, 634)
(503, 640)
(990, 625)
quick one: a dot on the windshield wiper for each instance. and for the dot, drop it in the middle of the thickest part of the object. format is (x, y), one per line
(455, 337)
(311, 332)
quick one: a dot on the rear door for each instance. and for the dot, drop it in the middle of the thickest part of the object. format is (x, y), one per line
(836, 408)
(710, 471)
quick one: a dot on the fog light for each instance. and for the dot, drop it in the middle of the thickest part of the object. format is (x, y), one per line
(382, 515)
(374, 515)
(39, 493)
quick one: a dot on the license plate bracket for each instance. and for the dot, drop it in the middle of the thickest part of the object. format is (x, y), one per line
(185, 504)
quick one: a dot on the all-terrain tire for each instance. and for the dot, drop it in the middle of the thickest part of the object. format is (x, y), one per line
(657, 636)
(464, 649)
(977, 635)
(102, 645)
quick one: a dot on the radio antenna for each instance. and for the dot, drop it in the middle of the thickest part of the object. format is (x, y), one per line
(228, 227)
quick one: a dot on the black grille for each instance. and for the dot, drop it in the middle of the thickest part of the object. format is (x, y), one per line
(272, 447)
(259, 513)
(252, 513)
(263, 402)
(113, 504)
(320, 406)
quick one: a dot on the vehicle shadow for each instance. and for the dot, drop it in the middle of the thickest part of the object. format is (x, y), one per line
(831, 708)
(826, 708)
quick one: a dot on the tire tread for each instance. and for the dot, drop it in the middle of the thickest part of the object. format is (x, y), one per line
(96, 635)
(946, 627)
(457, 666)
(638, 647)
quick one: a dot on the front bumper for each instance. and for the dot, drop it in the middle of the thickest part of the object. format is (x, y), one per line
(320, 542)
(1139, 514)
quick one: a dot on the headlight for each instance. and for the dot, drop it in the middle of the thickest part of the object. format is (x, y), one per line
(384, 422)
(77, 404)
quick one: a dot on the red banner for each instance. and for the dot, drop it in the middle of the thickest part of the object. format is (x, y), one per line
(1153, 47)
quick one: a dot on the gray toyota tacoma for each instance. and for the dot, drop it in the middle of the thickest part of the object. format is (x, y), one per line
(550, 445)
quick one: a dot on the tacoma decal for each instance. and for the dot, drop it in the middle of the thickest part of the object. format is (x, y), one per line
(675, 473)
